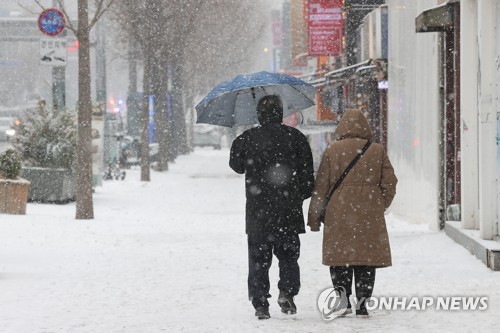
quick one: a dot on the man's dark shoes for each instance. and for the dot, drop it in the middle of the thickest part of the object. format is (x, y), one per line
(262, 312)
(286, 303)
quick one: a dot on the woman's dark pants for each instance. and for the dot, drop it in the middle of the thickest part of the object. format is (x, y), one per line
(364, 278)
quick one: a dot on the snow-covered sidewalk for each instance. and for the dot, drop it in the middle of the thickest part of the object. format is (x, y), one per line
(170, 256)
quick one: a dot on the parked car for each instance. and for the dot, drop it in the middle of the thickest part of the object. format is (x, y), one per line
(207, 136)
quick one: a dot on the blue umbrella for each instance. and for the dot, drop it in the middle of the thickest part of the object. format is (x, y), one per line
(234, 102)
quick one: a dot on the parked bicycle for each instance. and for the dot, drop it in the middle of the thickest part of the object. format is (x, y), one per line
(113, 171)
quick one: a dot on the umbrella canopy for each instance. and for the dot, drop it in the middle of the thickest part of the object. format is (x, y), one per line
(234, 102)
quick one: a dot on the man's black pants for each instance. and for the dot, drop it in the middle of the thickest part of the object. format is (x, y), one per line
(260, 254)
(364, 278)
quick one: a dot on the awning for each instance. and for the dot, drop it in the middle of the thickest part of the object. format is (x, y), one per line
(311, 76)
(339, 74)
(437, 19)
(345, 72)
(317, 83)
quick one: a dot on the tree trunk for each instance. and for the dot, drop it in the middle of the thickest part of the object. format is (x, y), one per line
(133, 112)
(144, 119)
(84, 203)
(179, 118)
(189, 100)
(169, 117)
(162, 116)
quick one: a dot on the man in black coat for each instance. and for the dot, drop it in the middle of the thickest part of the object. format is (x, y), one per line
(278, 167)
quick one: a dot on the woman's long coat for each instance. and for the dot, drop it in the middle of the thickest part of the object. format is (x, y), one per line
(354, 228)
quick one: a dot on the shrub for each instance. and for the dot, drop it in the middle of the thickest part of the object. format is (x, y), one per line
(10, 164)
(46, 139)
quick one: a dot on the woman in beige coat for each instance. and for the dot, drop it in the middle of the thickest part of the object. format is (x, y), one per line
(355, 239)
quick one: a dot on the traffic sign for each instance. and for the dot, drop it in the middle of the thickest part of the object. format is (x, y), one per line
(51, 22)
(52, 51)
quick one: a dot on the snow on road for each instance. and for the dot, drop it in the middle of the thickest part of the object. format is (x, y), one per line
(170, 256)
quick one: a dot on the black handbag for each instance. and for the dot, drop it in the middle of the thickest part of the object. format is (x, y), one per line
(341, 179)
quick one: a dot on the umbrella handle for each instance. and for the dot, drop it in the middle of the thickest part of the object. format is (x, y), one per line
(301, 118)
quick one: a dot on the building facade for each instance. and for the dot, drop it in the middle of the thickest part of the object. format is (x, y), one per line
(442, 118)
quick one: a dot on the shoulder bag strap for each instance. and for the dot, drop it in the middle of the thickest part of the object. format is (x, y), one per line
(346, 171)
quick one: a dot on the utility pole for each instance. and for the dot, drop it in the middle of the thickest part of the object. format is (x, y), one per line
(58, 80)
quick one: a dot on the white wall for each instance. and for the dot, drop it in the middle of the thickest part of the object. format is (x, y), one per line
(497, 59)
(487, 99)
(413, 114)
(479, 98)
(469, 86)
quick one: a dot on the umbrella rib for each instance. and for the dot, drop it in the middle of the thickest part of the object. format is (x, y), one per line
(206, 107)
(300, 92)
(234, 108)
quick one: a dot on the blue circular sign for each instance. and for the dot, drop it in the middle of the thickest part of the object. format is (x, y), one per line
(51, 22)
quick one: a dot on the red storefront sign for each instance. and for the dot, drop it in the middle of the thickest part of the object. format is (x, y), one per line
(325, 10)
(326, 27)
(325, 39)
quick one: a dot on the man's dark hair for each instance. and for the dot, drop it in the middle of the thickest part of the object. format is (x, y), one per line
(270, 109)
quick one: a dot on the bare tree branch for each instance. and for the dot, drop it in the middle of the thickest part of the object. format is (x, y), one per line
(70, 23)
(99, 4)
(39, 4)
(26, 8)
(100, 12)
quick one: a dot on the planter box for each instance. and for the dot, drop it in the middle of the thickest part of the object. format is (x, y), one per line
(13, 196)
(50, 185)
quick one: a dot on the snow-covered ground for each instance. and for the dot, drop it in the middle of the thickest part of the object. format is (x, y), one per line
(170, 256)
